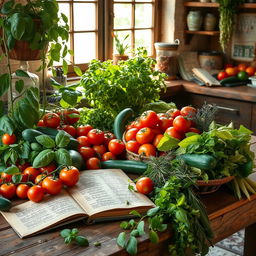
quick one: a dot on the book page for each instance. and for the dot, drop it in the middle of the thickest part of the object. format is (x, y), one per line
(106, 189)
(30, 217)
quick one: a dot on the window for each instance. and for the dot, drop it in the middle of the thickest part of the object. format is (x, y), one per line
(92, 21)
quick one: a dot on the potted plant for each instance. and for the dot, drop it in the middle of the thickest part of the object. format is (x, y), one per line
(121, 48)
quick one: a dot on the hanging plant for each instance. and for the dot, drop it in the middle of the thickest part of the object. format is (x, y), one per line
(227, 9)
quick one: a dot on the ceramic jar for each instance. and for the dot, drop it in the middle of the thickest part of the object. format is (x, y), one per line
(205, 1)
(194, 20)
(210, 22)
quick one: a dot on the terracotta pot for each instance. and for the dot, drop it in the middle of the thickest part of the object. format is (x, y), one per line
(118, 57)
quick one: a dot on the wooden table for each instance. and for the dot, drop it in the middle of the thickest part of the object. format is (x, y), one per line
(227, 216)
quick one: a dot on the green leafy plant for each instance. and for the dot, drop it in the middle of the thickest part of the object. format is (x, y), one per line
(120, 45)
(71, 235)
(227, 9)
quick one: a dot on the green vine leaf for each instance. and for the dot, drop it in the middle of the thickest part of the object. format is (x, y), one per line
(121, 239)
(131, 246)
(153, 236)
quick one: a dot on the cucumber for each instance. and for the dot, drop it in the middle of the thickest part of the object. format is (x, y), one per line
(77, 159)
(231, 79)
(120, 122)
(5, 204)
(30, 135)
(128, 166)
(201, 161)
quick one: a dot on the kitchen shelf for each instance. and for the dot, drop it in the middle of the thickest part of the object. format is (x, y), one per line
(215, 5)
(206, 33)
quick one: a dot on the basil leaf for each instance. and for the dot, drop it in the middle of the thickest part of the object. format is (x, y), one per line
(152, 212)
(153, 236)
(121, 239)
(62, 139)
(82, 241)
(45, 141)
(43, 158)
(135, 213)
(5, 80)
(63, 157)
(65, 232)
(16, 178)
(6, 124)
(140, 228)
(12, 170)
(167, 143)
(135, 233)
(131, 246)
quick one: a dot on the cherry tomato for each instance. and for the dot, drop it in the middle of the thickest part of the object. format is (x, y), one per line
(83, 130)
(99, 149)
(39, 179)
(181, 124)
(8, 190)
(22, 191)
(52, 185)
(87, 152)
(156, 130)
(83, 141)
(145, 135)
(174, 133)
(242, 67)
(8, 139)
(149, 119)
(131, 134)
(108, 156)
(93, 163)
(195, 130)
(188, 111)
(173, 113)
(36, 193)
(165, 123)
(51, 120)
(222, 75)
(41, 123)
(96, 136)
(108, 136)
(48, 169)
(132, 145)
(147, 150)
(157, 139)
(144, 185)
(32, 173)
(69, 176)
(231, 71)
(71, 116)
(69, 129)
(116, 146)
(6, 177)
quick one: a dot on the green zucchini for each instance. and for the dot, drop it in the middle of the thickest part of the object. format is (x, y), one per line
(120, 122)
(5, 204)
(201, 161)
(128, 166)
(30, 135)
(77, 159)
(231, 79)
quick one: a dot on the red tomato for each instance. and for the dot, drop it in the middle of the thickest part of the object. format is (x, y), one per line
(32, 173)
(22, 167)
(8, 190)
(48, 169)
(188, 111)
(242, 67)
(96, 136)
(39, 179)
(6, 177)
(108, 136)
(173, 133)
(131, 134)
(71, 116)
(83, 130)
(156, 130)
(165, 123)
(157, 139)
(87, 152)
(108, 156)
(147, 150)
(22, 191)
(145, 135)
(221, 75)
(36, 193)
(116, 146)
(69, 176)
(250, 71)
(69, 129)
(41, 123)
(173, 113)
(8, 139)
(144, 185)
(132, 145)
(137, 124)
(195, 130)
(228, 66)
(149, 119)
(24, 177)
(93, 163)
(52, 185)
(99, 149)
(83, 141)
(51, 120)
(231, 71)
(161, 115)
(181, 124)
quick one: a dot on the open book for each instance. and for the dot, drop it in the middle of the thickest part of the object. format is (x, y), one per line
(99, 195)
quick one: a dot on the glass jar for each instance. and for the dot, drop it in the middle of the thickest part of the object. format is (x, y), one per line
(166, 57)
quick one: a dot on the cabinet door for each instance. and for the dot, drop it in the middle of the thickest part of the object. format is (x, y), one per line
(228, 110)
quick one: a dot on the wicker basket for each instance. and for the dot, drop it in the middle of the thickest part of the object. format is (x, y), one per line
(212, 185)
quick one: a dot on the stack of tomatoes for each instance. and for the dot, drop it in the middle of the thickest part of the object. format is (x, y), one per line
(143, 135)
